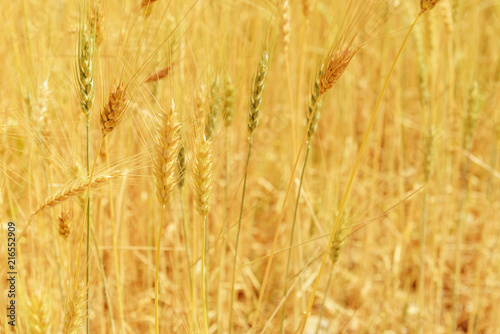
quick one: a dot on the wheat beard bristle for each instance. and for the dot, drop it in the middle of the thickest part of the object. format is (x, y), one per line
(167, 150)
(337, 64)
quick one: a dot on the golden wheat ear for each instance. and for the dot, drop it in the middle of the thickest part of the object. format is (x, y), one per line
(257, 90)
(202, 175)
(335, 66)
(74, 317)
(167, 152)
(428, 4)
(113, 111)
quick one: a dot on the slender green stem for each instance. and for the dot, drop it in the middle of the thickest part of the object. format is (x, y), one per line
(292, 234)
(238, 237)
(351, 179)
(157, 270)
(104, 281)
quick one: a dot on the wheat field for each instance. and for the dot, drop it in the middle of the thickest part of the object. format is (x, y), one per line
(250, 166)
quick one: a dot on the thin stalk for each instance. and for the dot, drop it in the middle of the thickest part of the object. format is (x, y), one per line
(292, 234)
(421, 287)
(186, 241)
(324, 300)
(104, 281)
(351, 179)
(157, 270)
(458, 242)
(224, 233)
(204, 293)
(238, 237)
(87, 215)
(280, 219)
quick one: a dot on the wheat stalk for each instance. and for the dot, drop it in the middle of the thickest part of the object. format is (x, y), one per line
(167, 151)
(203, 182)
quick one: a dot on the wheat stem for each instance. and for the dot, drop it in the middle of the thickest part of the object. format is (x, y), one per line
(280, 219)
(238, 236)
(351, 179)
(157, 270)
(292, 234)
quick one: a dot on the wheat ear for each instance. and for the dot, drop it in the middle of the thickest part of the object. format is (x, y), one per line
(167, 150)
(86, 73)
(203, 182)
(73, 189)
(253, 121)
(351, 179)
(74, 317)
(113, 111)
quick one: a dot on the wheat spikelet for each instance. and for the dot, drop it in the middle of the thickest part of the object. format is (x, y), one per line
(96, 23)
(339, 239)
(211, 121)
(74, 317)
(422, 69)
(286, 27)
(428, 4)
(167, 150)
(256, 97)
(334, 68)
(147, 6)
(85, 73)
(202, 175)
(113, 111)
(314, 101)
(228, 103)
(158, 75)
(447, 17)
(64, 224)
(38, 314)
(73, 189)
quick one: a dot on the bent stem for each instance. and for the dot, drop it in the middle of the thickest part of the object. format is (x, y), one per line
(351, 179)
(157, 270)
(291, 236)
(238, 237)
